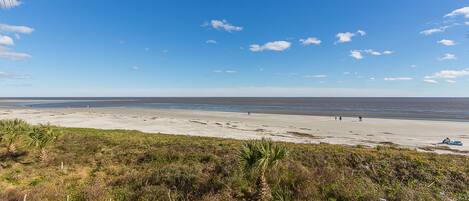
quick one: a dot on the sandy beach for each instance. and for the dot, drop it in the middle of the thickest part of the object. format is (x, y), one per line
(290, 128)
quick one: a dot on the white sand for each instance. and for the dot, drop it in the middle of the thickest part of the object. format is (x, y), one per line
(309, 129)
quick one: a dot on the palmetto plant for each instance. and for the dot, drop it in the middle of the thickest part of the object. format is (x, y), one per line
(10, 131)
(42, 135)
(257, 157)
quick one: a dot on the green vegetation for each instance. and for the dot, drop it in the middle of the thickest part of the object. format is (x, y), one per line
(91, 164)
(256, 158)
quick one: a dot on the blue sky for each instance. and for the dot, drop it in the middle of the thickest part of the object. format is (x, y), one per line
(234, 48)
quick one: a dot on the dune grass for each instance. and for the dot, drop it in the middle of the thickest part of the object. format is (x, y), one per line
(130, 165)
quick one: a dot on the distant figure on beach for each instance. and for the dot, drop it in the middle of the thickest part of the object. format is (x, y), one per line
(446, 140)
(340, 118)
(360, 118)
(335, 117)
(249, 113)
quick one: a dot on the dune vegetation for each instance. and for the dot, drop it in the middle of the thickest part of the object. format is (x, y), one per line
(44, 162)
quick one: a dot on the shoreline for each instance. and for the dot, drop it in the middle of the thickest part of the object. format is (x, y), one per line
(422, 135)
(324, 114)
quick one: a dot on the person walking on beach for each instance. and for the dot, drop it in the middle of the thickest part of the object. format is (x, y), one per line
(340, 118)
(335, 117)
(360, 118)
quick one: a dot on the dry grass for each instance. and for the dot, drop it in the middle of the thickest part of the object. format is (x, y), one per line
(130, 165)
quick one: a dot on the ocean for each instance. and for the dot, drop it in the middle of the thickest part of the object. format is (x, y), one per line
(449, 109)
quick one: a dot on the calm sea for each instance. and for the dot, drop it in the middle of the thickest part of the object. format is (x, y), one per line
(453, 109)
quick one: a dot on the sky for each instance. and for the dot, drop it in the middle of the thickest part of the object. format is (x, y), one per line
(256, 48)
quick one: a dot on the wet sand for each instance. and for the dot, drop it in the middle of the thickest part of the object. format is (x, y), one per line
(415, 134)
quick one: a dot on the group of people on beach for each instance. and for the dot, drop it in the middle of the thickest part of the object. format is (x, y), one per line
(360, 118)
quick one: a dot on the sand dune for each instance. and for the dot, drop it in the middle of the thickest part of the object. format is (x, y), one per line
(290, 128)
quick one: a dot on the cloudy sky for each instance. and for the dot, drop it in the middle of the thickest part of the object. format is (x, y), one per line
(234, 48)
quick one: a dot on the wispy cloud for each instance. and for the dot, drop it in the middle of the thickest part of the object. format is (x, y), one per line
(377, 53)
(135, 68)
(451, 81)
(11, 55)
(7, 4)
(431, 81)
(223, 25)
(446, 42)
(431, 31)
(461, 11)
(6, 28)
(398, 78)
(310, 41)
(225, 71)
(358, 54)
(211, 41)
(272, 46)
(448, 74)
(345, 37)
(315, 76)
(447, 56)
(5, 75)
(6, 40)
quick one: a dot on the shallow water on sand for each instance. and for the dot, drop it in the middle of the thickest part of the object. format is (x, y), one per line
(453, 109)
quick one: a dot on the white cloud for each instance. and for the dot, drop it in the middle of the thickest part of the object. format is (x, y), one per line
(461, 11)
(315, 76)
(449, 74)
(398, 78)
(346, 73)
(135, 68)
(223, 25)
(387, 52)
(357, 54)
(434, 30)
(466, 23)
(446, 42)
(347, 36)
(447, 56)
(6, 4)
(6, 40)
(211, 42)
(15, 56)
(430, 81)
(372, 52)
(225, 71)
(413, 66)
(15, 29)
(344, 37)
(5, 75)
(310, 41)
(273, 46)
(376, 53)
(451, 81)
(361, 32)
